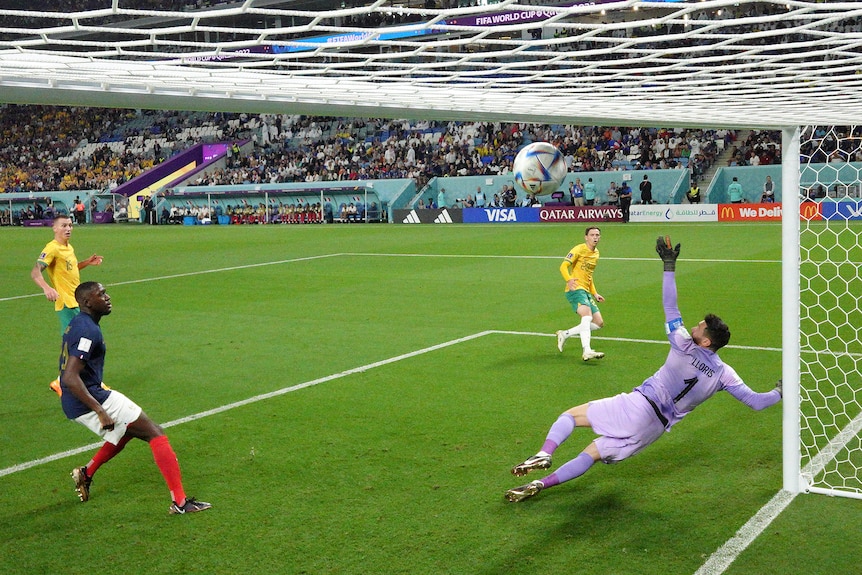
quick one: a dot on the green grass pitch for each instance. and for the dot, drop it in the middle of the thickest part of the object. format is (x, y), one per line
(397, 373)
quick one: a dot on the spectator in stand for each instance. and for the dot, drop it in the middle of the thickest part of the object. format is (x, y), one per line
(693, 194)
(589, 192)
(576, 192)
(768, 195)
(613, 194)
(509, 197)
(480, 197)
(78, 207)
(373, 212)
(625, 196)
(646, 190)
(734, 190)
(352, 213)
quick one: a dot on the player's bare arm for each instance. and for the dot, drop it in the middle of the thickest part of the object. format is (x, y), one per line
(73, 382)
(39, 279)
(93, 260)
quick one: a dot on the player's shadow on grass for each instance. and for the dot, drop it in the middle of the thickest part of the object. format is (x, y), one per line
(562, 517)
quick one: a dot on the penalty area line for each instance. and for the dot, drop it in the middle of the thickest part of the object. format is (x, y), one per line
(250, 400)
(717, 563)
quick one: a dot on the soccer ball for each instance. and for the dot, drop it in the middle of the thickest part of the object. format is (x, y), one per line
(539, 168)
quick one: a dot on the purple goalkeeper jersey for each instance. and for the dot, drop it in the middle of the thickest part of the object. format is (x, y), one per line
(691, 374)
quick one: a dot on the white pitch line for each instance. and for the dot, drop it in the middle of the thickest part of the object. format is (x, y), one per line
(197, 273)
(357, 254)
(271, 394)
(721, 559)
(604, 258)
(715, 565)
(255, 399)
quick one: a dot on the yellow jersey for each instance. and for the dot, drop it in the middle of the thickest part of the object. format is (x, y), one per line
(580, 263)
(62, 267)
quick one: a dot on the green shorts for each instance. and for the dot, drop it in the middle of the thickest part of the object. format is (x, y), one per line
(581, 297)
(66, 315)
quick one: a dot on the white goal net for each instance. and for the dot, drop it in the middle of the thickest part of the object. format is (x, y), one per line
(830, 314)
(714, 63)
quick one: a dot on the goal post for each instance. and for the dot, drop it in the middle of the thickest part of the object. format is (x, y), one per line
(790, 175)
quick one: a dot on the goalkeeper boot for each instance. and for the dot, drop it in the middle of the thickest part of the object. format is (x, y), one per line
(534, 462)
(592, 354)
(561, 340)
(524, 491)
(82, 482)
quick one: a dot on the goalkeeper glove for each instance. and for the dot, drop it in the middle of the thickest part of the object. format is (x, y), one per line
(667, 254)
(779, 387)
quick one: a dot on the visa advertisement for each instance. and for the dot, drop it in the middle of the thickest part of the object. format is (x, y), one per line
(638, 213)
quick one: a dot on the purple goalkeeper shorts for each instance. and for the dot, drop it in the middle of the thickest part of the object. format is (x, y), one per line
(626, 424)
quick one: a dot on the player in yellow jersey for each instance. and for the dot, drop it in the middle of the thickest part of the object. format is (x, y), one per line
(59, 261)
(577, 269)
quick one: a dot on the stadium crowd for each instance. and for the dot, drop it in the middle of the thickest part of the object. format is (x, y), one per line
(42, 147)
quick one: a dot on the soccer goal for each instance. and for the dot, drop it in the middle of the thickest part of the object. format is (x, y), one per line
(786, 65)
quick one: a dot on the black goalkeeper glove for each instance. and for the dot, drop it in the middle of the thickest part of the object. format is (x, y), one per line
(779, 386)
(667, 254)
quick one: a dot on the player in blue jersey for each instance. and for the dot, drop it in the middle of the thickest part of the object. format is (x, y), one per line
(109, 413)
(628, 422)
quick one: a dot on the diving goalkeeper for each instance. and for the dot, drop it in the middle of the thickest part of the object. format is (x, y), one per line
(628, 422)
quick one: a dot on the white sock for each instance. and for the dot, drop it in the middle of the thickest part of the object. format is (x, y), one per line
(577, 329)
(584, 330)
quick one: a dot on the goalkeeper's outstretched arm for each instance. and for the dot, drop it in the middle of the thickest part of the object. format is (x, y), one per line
(668, 256)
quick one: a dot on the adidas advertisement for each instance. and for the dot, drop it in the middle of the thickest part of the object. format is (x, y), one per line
(426, 216)
(508, 215)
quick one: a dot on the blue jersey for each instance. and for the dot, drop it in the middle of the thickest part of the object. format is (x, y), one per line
(83, 339)
(691, 374)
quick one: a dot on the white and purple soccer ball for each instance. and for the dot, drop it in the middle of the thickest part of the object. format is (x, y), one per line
(539, 168)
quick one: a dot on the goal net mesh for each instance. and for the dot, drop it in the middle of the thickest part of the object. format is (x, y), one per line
(590, 62)
(830, 311)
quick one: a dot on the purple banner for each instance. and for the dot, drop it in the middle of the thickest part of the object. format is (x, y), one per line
(515, 16)
(213, 151)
